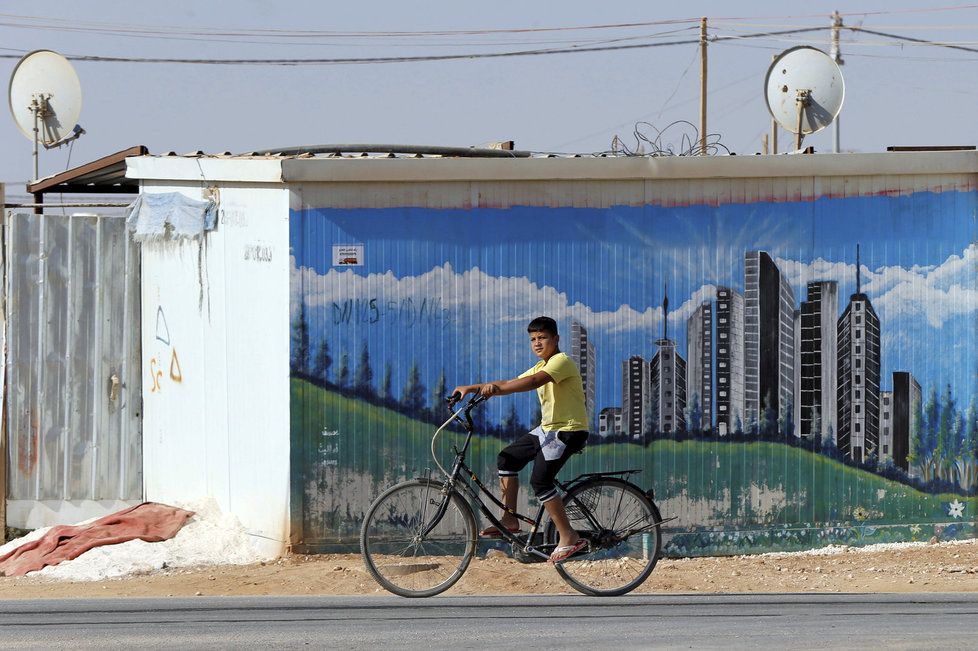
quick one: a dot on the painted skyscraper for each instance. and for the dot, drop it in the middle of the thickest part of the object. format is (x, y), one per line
(668, 381)
(582, 352)
(729, 360)
(609, 422)
(859, 376)
(897, 423)
(769, 340)
(796, 397)
(699, 355)
(817, 409)
(886, 425)
(635, 417)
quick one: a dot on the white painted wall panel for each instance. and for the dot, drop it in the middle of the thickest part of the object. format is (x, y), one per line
(215, 358)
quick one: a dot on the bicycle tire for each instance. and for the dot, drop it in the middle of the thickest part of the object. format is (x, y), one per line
(398, 558)
(616, 562)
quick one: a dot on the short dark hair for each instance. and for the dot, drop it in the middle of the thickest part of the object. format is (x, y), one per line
(543, 324)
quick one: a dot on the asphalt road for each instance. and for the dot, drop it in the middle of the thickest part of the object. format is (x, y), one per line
(776, 621)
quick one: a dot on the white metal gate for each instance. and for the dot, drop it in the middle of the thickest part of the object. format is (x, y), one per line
(73, 400)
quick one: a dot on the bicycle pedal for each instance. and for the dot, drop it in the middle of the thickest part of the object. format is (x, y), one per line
(522, 556)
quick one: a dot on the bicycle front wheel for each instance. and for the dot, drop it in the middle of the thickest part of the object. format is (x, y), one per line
(622, 526)
(417, 541)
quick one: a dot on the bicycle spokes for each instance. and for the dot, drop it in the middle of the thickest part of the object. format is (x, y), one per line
(417, 540)
(620, 523)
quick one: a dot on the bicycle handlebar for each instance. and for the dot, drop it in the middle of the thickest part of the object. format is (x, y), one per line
(455, 398)
(469, 426)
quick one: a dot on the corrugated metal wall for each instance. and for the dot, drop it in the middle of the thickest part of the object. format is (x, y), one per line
(435, 282)
(74, 394)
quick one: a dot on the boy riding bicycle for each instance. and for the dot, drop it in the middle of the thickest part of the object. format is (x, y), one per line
(562, 432)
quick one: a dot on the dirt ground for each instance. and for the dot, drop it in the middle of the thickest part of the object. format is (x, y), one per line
(941, 567)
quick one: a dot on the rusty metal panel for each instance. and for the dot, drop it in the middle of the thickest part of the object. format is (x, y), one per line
(73, 399)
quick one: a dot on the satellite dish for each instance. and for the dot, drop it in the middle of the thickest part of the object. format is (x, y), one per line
(45, 100)
(804, 90)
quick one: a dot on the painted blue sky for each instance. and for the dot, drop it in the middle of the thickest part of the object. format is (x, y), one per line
(490, 270)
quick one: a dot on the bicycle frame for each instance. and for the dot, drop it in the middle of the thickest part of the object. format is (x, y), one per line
(457, 481)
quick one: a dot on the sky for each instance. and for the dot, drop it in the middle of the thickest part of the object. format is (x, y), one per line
(895, 94)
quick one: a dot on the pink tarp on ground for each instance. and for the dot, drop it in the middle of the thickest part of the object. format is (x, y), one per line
(148, 521)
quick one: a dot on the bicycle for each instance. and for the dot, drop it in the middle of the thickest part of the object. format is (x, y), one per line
(419, 536)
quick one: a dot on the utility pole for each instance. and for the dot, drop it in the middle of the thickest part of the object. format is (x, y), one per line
(703, 86)
(774, 124)
(837, 57)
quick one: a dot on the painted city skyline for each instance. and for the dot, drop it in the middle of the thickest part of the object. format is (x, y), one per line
(796, 369)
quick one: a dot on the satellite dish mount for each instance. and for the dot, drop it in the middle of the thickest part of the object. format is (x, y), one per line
(41, 109)
(803, 99)
(44, 97)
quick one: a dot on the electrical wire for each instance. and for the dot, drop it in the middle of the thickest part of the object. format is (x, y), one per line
(678, 83)
(419, 59)
(61, 195)
(339, 39)
(850, 54)
(124, 28)
(890, 12)
(910, 39)
(17, 21)
(712, 92)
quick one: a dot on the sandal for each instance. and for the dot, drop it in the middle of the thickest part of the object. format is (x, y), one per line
(494, 532)
(565, 552)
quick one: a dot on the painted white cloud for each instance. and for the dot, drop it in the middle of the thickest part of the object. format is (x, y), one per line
(934, 293)
(931, 294)
(477, 294)
(486, 298)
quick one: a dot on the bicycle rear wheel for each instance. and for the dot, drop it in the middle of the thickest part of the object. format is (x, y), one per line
(411, 545)
(625, 539)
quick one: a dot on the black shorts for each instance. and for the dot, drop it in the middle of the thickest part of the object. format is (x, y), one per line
(516, 455)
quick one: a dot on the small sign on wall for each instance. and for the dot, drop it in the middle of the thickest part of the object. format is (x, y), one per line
(348, 255)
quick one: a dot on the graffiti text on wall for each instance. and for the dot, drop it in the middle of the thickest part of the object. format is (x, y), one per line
(406, 312)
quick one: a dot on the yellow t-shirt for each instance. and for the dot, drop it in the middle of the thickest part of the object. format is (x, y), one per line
(561, 401)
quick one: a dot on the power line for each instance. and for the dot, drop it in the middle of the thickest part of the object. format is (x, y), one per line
(911, 39)
(923, 10)
(319, 39)
(422, 58)
(124, 29)
(17, 21)
(900, 57)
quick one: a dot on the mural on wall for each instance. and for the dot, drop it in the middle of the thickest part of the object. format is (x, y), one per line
(786, 374)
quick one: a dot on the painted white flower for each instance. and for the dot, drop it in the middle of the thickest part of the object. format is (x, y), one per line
(956, 509)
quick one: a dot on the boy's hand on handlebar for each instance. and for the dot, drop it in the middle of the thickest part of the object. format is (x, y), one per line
(460, 392)
(484, 391)
(489, 389)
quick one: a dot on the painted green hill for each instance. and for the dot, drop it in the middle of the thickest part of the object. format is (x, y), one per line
(729, 497)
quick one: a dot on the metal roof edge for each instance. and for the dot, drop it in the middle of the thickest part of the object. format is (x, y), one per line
(102, 165)
(368, 169)
(204, 169)
(624, 168)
